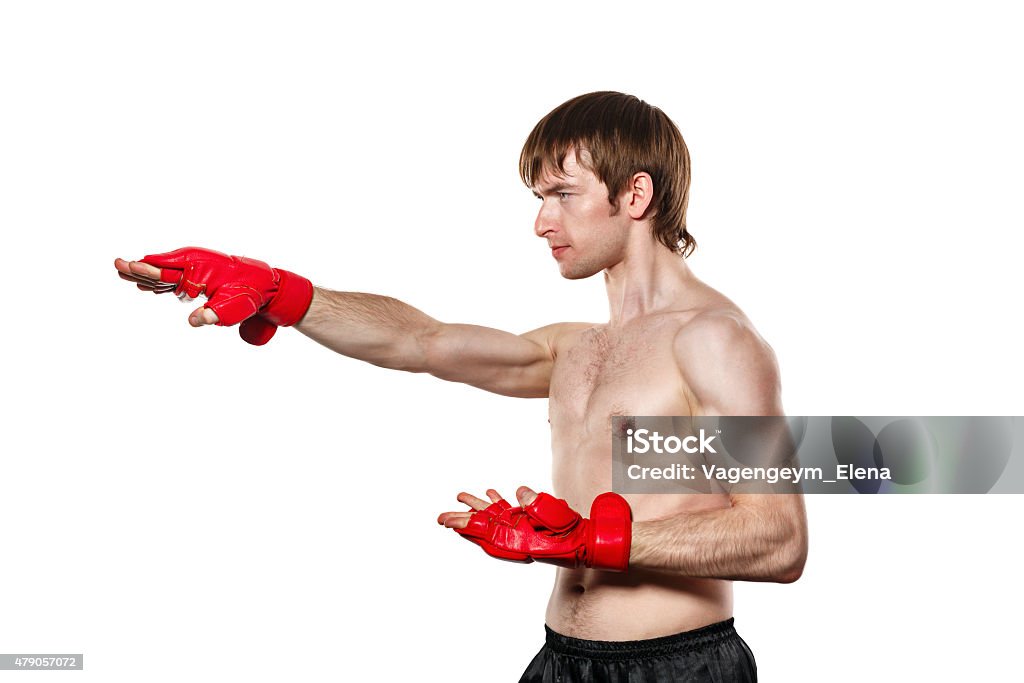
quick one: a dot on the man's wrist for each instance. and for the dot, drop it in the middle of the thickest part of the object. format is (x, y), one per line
(610, 532)
(291, 301)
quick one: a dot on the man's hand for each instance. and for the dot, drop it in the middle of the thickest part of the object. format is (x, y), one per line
(238, 289)
(546, 529)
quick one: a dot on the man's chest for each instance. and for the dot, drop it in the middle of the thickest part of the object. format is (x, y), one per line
(621, 372)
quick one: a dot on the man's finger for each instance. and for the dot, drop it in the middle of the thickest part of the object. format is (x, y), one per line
(474, 502)
(138, 268)
(234, 303)
(122, 266)
(454, 520)
(164, 274)
(202, 316)
(138, 278)
(124, 272)
(525, 495)
(147, 283)
(161, 289)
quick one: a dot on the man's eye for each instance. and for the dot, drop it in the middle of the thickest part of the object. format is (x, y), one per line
(563, 195)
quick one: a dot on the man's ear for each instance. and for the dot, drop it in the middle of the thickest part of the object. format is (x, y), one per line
(639, 195)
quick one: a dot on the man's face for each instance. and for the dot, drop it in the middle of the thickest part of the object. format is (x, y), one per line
(575, 218)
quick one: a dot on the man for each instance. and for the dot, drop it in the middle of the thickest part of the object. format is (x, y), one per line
(643, 590)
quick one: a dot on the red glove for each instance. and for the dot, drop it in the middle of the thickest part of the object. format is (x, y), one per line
(238, 289)
(548, 530)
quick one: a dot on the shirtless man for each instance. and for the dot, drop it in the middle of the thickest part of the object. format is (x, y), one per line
(612, 176)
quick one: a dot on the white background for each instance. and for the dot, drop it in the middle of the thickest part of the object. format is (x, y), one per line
(177, 505)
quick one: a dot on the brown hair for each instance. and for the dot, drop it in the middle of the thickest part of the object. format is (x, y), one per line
(619, 135)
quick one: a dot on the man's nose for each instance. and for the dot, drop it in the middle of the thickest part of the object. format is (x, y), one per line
(545, 222)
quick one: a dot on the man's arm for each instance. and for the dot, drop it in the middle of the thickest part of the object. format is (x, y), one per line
(392, 334)
(376, 329)
(760, 537)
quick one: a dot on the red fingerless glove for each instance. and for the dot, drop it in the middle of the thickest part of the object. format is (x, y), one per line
(238, 289)
(548, 530)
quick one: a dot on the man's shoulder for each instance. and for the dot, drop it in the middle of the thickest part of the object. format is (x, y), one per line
(716, 325)
(710, 317)
(726, 363)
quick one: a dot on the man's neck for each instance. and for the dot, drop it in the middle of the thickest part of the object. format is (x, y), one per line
(648, 280)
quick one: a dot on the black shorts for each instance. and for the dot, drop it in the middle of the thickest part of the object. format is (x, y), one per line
(713, 653)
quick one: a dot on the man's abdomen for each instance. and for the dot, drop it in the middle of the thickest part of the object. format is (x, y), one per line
(637, 605)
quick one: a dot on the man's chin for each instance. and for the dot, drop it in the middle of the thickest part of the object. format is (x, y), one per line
(576, 273)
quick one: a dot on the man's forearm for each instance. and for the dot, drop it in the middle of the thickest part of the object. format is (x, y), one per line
(749, 542)
(373, 328)
(386, 332)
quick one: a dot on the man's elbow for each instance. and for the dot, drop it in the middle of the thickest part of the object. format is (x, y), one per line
(423, 351)
(790, 557)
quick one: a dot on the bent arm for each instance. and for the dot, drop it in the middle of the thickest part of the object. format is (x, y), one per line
(392, 334)
(759, 537)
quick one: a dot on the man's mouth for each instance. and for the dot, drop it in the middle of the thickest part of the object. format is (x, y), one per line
(556, 251)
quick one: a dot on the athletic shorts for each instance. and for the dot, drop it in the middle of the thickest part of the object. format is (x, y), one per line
(712, 653)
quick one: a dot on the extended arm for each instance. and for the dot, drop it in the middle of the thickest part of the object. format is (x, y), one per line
(392, 334)
(376, 329)
(760, 537)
